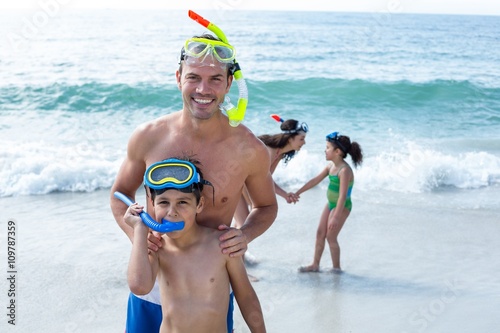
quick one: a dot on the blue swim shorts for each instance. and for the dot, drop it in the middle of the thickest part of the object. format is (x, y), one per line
(145, 317)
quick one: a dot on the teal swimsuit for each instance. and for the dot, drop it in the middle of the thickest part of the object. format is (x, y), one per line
(332, 194)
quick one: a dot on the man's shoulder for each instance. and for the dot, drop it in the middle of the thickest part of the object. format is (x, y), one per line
(246, 138)
(160, 122)
(155, 127)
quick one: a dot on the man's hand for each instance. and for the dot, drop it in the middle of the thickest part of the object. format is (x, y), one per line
(233, 241)
(154, 241)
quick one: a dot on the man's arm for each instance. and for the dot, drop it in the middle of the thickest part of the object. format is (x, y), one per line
(128, 180)
(260, 186)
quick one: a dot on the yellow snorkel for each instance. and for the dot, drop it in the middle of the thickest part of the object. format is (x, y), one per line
(235, 114)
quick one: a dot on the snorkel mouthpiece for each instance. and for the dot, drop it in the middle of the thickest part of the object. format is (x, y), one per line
(235, 114)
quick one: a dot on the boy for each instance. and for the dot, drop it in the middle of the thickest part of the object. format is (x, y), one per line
(194, 276)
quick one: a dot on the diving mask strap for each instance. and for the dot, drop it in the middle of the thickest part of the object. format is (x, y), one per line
(206, 182)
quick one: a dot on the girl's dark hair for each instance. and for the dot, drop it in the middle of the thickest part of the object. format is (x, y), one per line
(197, 187)
(280, 140)
(352, 148)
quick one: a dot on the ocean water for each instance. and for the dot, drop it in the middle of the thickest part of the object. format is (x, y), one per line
(419, 93)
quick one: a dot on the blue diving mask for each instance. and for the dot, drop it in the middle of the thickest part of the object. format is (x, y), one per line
(334, 138)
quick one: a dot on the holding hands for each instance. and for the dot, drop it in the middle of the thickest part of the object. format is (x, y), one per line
(292, 197)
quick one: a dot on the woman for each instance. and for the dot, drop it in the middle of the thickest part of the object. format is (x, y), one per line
(282, 147)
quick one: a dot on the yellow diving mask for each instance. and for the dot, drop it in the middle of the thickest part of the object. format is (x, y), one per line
(202, 47)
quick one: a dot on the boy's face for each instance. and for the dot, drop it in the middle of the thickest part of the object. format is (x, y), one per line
(176, 206)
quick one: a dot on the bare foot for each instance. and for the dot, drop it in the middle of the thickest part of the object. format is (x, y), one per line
(309, 269)
(335, 271)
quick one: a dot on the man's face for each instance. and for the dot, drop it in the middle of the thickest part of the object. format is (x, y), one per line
(203, 85)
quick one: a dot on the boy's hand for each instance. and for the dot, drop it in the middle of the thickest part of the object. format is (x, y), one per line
(133, 219)
(131, 216)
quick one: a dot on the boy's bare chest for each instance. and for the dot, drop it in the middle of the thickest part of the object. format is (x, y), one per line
(196, 269)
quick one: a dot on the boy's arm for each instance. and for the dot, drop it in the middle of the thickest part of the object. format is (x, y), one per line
(142, 267)
(245, 295)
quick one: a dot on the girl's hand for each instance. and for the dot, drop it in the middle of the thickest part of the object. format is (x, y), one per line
(292, 198)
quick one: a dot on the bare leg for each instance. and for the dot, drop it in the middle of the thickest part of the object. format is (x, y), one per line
(332, 236)
(320, 242)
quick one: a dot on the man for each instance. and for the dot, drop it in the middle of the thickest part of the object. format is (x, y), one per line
(230, 156)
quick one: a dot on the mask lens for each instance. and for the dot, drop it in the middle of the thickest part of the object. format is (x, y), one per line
(224, 53)
(171, 173)
(176, 174)
(196, 49)
(304, 127)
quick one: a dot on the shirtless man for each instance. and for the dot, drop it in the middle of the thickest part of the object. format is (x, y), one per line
(231, 157)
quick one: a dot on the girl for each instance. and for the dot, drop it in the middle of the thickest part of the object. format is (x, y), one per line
(338, 194)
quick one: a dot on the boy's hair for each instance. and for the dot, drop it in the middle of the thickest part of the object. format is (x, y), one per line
(196, 189)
